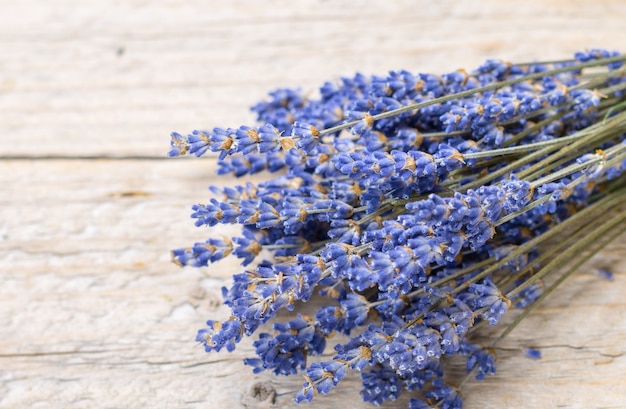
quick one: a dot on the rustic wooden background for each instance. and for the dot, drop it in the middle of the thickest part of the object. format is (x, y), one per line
(93, 314)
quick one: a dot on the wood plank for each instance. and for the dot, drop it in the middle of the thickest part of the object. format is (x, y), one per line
(93, 313)
(90, 78)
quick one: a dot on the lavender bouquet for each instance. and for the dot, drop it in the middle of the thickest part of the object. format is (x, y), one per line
(418, 208)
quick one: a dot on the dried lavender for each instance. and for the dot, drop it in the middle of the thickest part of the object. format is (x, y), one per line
(419, 208)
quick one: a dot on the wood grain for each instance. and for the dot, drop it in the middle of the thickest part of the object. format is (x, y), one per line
(92, 312)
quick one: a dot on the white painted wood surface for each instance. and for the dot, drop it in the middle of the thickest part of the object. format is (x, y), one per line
(93, 314)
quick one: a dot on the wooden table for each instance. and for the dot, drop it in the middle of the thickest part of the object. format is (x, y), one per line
(92, 312)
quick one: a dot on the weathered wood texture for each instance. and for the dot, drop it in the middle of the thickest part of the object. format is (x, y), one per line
(93, 314)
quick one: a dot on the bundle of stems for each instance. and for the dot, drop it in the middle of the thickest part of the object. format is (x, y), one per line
(416, 209)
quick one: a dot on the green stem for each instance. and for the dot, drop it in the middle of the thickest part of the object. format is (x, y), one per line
(576, 233)
(568, 273)
(587, 135)
(614, 108)
(526, 159)
(578, 247)
(531, 244)
(575, 167)
(523, 148)
(536, 127)
(557, 283)
(592, 134)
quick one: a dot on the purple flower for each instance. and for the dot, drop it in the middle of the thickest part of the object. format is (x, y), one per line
(532, 353)
(487, 298)
(445, 395)
(321, 378)
(220, 335)
(380, 385)
(411, 226)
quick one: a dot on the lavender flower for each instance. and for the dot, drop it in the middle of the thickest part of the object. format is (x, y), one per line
(419, 206)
